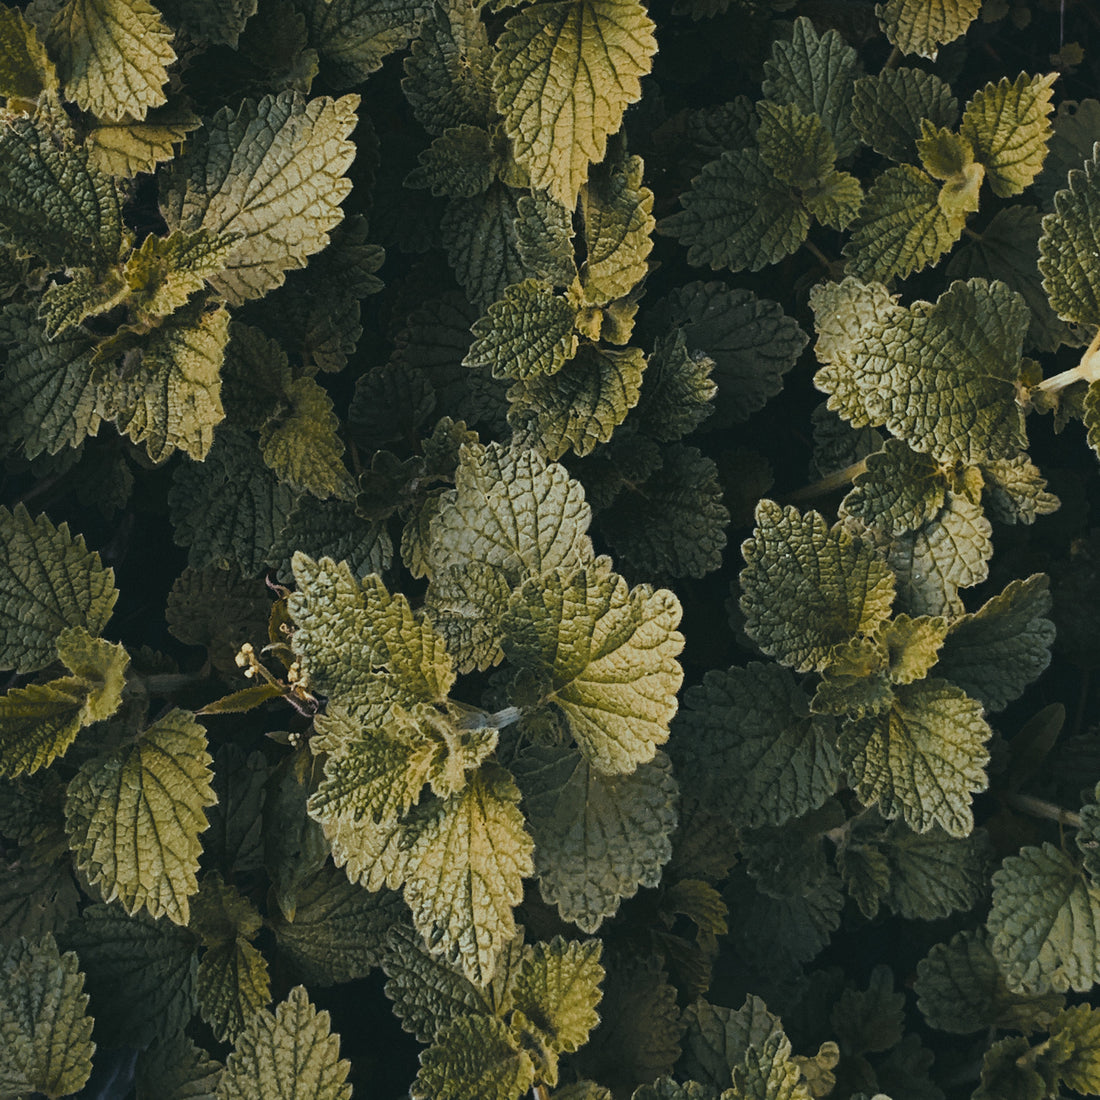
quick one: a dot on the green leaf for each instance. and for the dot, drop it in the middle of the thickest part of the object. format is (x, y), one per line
(752, 341)
(1076, 130)
(134, 816)
(1075, 1036)
(544, 232)
(687, 491)
(1070, 236)
(903, 226)
(1043, 923)
(273, 174)
(528, 333)
(944, 377)
(1008, 125)
(141, 974)
(948, 156)
(917, 27)
(717, 1037)
(836, 200)
(1015, 491)
(758, 753)
(1008, 1073)
(598, 838)
(961, 989)
(461, 162)
(465, 872)
(737, 215)
(48, 581)
(817, 75)
(617, 213)
(581, 405)
(767, 1072)
(563, 75)
(887, 109)
(361, 645)
(609, 653)
(291, 1054)
(113, 56)
(39, 723)
(228, 509)
(1088, 835)
(53, 203)
(302, 445)
(65, 305)
(900, 490)
(176, 1069)
(235, 842)
(50, 385)
(127, 147)
(678, 392)
(47, 1035)
(447, 80)
(479, 237)
(474, 1058)
(332, 529)
(922, 759)
(557, 988)
(339, 929)
(794, 145)
(166, 271)
(26, 70)
(994, 653)
(35, 898)
(171, 399)
(807, 587)
(233, 984)
(354, 36)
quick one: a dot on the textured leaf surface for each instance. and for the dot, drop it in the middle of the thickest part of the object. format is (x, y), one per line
(479, 236)
(127, 147)
(134, 817)
(53, 203)
(465, 872)
(233, 984)
(173, 400)
(922, 759)
(273, 172)
(756, 752)
(303, 447)
(1075, 1036)
(557, 987)
(580, 406)
(544, 236)
(113, 56)
(738, 215)
(291, 1055)
(899, 491)
(361, 645)
(597, 837)
(816, 74)
(888, 109)
(528, 332)
(177, 1070)
(807, 587)
(49, 581)
(902, 226)
(943, 377)
(1044, 923)
(961, 989)
(474, 1058)
(767, 1072)
(1071, 236)
(26, 69)
(1008, 125)
(354, 36)
(915, 26)
(618, 221)
(996, 652)
(563, 74)
(165, 271)
(141, 974)
(609, 653)
(461, 162)
(45, 1033)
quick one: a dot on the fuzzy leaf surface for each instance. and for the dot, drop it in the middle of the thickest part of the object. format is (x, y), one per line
(563, 74)
(271, 173)
(134, 817)
(49, 581)
(609, 653)
(807, 587)
(888, 109)
(598, 838)
(45, 1032)
(915, 26)
(1070, 237)
(474, 1058)
(112, 56)
(288, 1055)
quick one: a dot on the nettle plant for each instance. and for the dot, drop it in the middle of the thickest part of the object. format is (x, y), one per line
(450, 524)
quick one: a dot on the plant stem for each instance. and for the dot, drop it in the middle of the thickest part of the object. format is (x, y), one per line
(894, 59)
(165, 683)
(829, 483)
(1088, 370)
(539, 1092)
(821, 257)
(1039, 807)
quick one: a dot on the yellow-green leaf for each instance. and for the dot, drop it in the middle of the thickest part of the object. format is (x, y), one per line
(134, 816)
(26, 70)
(563, 74)
(917, 26)
(113, 55)
(129, 146)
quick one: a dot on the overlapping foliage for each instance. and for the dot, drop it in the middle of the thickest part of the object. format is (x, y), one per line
(388, 389)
